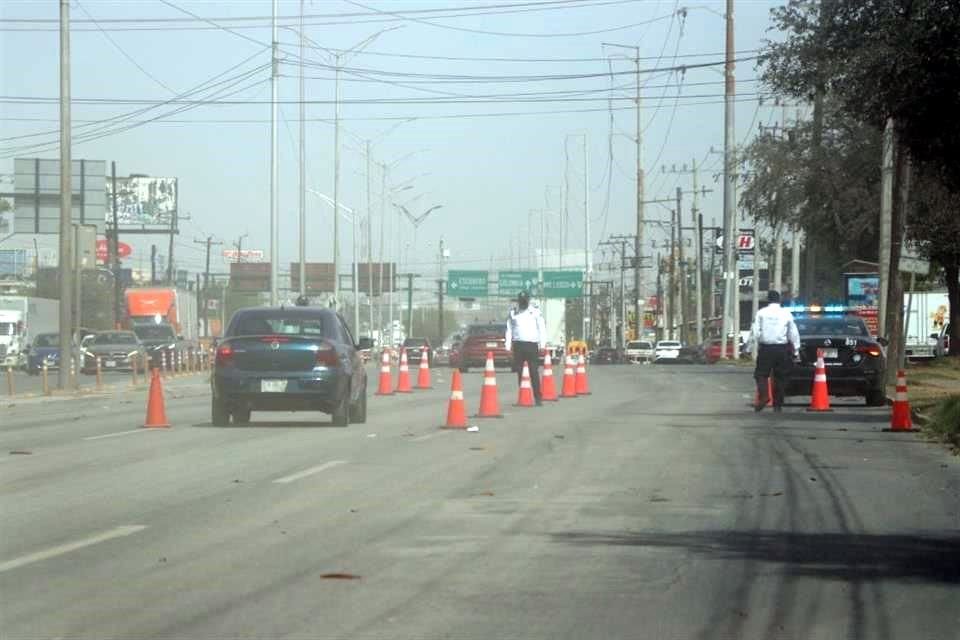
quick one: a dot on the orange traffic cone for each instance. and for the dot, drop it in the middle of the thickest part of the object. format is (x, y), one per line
(489, 402)
(525, 394)
(456, 409)
(820, 400)
(385, 377)
(156, 412)
(900, 420)
(403, 380)
(548, 388)
(423, 377)
(569, 380)
(756, 394)
(580, 381)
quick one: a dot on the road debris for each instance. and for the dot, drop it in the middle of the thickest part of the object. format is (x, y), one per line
(339, 576)
(20, 452)
(473, 429)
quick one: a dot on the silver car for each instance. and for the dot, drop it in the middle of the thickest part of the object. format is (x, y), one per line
(117, 351)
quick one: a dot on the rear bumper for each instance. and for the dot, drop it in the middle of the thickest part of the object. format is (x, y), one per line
(856, 382)
(500, 358)
(305, 391)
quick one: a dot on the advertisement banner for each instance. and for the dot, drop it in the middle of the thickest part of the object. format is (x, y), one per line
(143, 201)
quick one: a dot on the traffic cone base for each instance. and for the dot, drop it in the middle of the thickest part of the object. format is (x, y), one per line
(489, 402)
(548, 388)
(156, 411)
(525, 394)
(385, 386)
(900, 419)
(456, 408)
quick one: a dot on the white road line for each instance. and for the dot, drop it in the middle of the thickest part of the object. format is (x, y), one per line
(118, 532)
(309, 472)
(430, 435)
(121, 433)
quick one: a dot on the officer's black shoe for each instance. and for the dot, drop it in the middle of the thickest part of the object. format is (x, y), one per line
(759, 406)
(778, 408)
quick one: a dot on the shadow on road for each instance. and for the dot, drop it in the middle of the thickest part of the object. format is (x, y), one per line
(320, 424)
(833, 556)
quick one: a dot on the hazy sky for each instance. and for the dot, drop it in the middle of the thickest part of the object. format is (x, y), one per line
(486, 162)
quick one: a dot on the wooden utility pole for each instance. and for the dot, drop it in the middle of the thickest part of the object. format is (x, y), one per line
(206, 283)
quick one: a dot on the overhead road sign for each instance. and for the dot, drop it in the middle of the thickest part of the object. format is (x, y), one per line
(467, 284)
(562, 284)
(510, 283)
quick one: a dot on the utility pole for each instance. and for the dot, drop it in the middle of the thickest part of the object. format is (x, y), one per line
(777, 257)
(698, 265)
(206, 282)
(410, 277)
(795, 264)
(682, 288)
(383, 224)
(369, 245)
(173, 231)
(886, 219)
(729, 186)
(303, 173)
(66, 201)
(626, 263)
(114, 247)
(336, 184)
(153, 264)
(274, 171)
(440, 283)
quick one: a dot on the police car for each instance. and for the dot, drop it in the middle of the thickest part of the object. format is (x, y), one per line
(855, 361)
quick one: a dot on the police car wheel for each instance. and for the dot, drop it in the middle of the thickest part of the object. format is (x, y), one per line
(876, 398)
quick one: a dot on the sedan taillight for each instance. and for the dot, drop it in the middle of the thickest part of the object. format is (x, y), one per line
(870, 350)
(224, 354)
(327, 355)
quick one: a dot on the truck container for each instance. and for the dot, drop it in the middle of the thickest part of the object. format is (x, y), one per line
(168, 305)
(21, 319)
(929, 314)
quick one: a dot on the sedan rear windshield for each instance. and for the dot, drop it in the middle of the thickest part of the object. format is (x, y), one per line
(668, 345)
(639, 345)
(415, 342)
(259, 324)
(831, 327)
(487, 330)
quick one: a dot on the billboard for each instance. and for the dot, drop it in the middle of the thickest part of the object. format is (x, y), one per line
(862, 289)
(389, 277)
(36, 194)
(143, 201)
(245, 255)
(250, 276)
(319, 277)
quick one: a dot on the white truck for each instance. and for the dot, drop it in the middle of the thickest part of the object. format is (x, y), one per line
(21, 319)
(928, 317)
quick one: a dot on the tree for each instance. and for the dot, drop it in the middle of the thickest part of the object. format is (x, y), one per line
(935, 223)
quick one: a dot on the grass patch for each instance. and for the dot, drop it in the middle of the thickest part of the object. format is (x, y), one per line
(931, 383)
(944, 422)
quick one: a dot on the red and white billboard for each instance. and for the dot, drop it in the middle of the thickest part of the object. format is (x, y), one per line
(103, 250)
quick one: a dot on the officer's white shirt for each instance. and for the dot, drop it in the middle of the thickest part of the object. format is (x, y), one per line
(526, 326)
(774, 325)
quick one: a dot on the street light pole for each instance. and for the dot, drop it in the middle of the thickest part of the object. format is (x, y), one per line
(336, 185)
(66, 201)
(274, 170)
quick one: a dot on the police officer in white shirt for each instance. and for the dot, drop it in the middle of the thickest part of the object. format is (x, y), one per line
(778, 340)
(526, 337)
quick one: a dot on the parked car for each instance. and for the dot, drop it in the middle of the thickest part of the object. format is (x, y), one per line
(481, 339)
(855, 361)
(159, 340)
(607, 355)
(667, 351)
(117, 351)
(45, 348)
(711, 350)
(414, 347)
(289, 359)
(639, 351)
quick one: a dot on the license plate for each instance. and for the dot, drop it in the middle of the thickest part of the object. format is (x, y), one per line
(110, 364)
(830, 353)
(491, 345)
(273, 386)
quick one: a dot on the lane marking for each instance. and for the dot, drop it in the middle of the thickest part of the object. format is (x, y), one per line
(121, 433)
(118, 532)
(430, 435)
(309, 472)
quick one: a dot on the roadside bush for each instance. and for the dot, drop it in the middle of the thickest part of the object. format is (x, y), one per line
(945, 423)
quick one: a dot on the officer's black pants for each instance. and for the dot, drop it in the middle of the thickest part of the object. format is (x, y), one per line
(775, 360)
(528, 352)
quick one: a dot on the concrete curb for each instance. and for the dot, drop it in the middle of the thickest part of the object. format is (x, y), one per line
(91, 392)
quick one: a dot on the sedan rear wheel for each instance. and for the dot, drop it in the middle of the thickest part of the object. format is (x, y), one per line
(876, 398)
(358, 411)
(241, 416)
(341, 414)
(219, 415)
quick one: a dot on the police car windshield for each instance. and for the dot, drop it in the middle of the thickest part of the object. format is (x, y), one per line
(831, 326)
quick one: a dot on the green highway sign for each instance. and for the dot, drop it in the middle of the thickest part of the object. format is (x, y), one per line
(562, 284)
(467, 284)
(513, 282)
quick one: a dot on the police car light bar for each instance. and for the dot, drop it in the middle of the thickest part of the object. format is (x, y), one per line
(816, 308)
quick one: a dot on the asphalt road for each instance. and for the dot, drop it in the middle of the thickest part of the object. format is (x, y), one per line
(660, 506)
